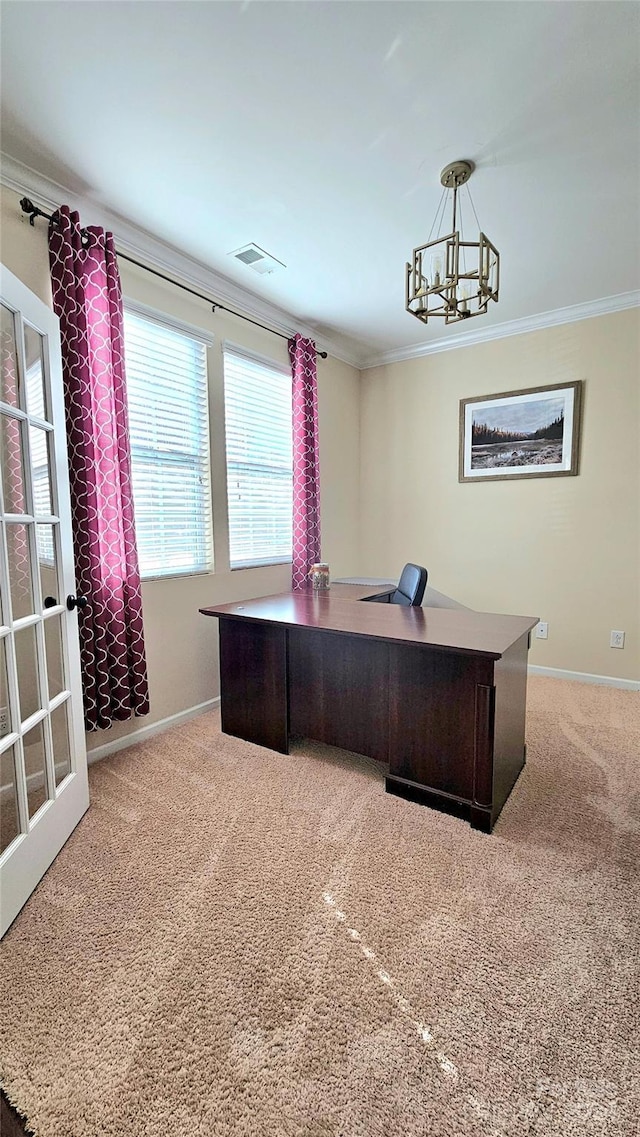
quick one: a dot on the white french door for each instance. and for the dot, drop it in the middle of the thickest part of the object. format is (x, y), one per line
(43, 761)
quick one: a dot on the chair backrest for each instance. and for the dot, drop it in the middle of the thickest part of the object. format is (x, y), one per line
(411, 586)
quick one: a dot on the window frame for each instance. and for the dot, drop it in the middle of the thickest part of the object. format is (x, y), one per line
(231, 348)
(207, 339)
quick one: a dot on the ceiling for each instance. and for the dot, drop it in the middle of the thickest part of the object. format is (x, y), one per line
(318, 131)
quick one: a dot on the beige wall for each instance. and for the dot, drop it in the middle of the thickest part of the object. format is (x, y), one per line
(182, 644)
(566, 549)
(23, 249)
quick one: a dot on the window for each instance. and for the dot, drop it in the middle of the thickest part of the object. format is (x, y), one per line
(257, 399)
(169, 429)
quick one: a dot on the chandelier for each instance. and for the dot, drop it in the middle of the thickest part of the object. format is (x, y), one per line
(449, 276)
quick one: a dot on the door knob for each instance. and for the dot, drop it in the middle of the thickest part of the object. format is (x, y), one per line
(50, 601)
(76, 602)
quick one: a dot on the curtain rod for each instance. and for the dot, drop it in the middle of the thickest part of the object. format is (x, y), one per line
(34, 211)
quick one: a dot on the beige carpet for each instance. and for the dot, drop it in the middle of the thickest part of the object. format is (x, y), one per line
(235, 942)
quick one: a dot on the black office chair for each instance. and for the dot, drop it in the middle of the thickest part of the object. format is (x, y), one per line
(411, 587)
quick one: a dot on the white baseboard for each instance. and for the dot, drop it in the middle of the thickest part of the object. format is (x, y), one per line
(148, 731)
(34, 781)
(584, 677)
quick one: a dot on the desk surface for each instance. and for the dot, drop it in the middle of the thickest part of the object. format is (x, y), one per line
(479, 633)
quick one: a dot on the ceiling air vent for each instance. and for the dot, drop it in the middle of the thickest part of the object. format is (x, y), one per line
(256, 258)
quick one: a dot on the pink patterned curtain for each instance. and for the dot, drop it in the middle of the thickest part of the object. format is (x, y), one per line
(306, 463)
(88, 299)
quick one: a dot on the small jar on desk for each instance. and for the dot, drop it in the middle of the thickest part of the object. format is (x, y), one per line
(319, 577)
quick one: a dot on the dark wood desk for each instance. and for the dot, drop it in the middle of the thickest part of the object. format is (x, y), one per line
(438, 694)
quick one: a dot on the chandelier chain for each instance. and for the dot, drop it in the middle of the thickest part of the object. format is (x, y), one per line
(442, 213)
(473, 207)
(464, 251)
(436, 216)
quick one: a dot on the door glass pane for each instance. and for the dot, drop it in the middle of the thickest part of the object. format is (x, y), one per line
(9, 823)
(55, 667)
(35, 768)
(33, 348)
(61, 742)
(48, 564)
(5, 726)
(19, 569)
(41, 478)
(8, 360)
(12, 465)
(27, 663)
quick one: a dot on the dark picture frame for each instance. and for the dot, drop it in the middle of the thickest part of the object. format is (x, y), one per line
(532, 433)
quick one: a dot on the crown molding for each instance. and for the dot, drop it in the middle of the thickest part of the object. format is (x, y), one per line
(147, 248)
(568, 315)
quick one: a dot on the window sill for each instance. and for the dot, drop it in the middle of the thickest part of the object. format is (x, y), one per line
(263, 564)
(186, 574)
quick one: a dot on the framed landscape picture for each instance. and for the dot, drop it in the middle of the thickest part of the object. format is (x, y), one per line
(521, 434)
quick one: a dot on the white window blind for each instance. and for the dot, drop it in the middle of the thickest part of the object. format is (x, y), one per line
(259, 461)
(169, 430)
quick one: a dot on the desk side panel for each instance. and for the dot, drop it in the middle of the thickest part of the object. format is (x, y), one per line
(510, 674)
(253, 683)
(432, 713)
(338, 691)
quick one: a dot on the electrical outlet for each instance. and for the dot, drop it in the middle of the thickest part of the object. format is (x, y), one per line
(616, 639)
(4, 721)
(542, 630)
